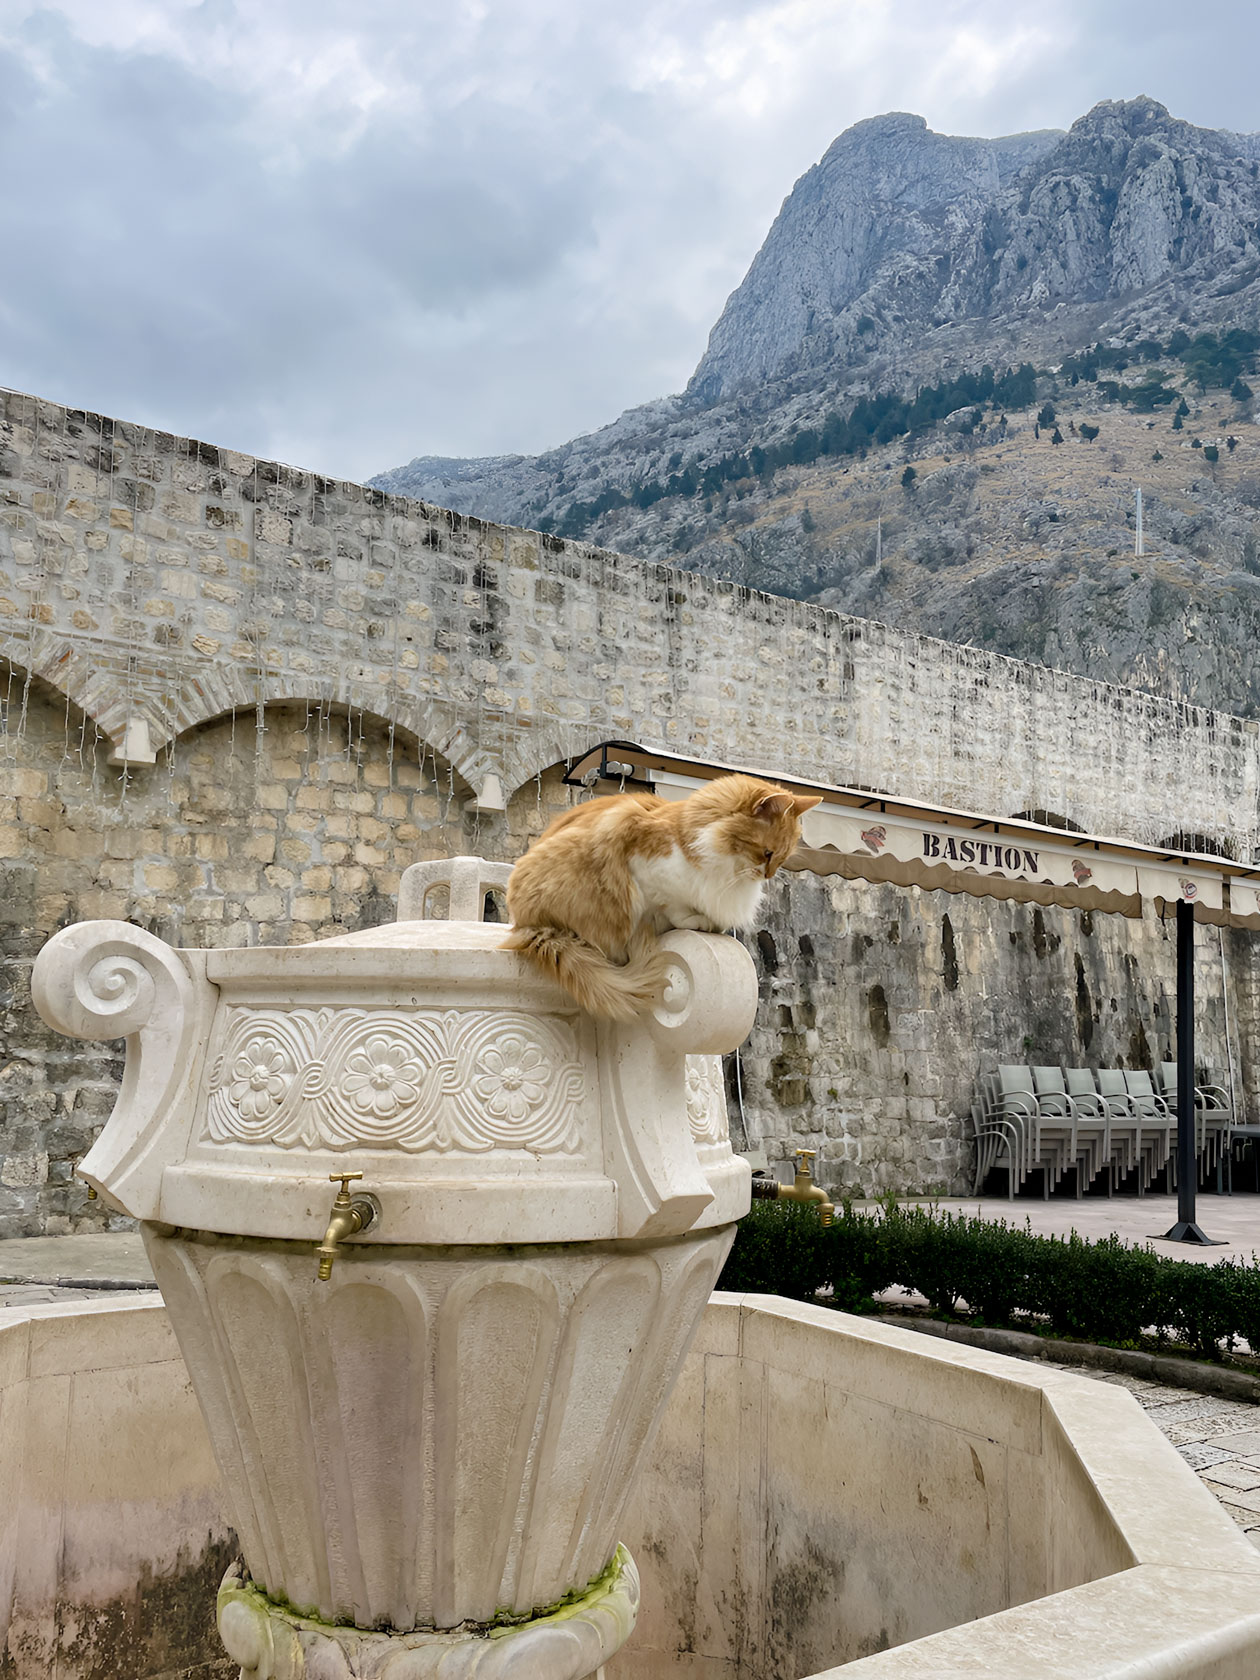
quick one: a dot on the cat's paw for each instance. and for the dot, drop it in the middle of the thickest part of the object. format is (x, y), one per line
(692, 921)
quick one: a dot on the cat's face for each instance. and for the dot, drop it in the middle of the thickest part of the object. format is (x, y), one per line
(763, 829)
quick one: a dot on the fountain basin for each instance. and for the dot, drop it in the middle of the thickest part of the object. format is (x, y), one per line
(831, 1495)
(813, 1492)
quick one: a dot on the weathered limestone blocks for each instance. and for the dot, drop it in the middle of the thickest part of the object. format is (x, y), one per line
(161, 581)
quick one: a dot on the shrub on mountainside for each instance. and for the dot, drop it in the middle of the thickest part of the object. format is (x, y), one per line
(872, 421)
(1210, 359)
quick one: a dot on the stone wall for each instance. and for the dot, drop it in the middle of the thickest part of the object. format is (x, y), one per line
(157, 581)
(882, 1006)
(240, 698)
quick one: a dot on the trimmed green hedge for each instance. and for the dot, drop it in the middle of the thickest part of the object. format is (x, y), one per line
(999, 1274)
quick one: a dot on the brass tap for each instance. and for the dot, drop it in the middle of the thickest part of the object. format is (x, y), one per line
(350, 1215)
(802, 1189)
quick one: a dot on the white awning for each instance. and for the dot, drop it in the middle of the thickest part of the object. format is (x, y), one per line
(869, 836)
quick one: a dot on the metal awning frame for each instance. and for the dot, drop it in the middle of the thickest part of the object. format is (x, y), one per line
(1165, 875)
(613, 766)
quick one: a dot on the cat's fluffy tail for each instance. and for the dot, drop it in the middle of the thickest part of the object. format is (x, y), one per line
(614, 991)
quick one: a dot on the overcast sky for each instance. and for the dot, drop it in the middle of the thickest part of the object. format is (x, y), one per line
(346, 234)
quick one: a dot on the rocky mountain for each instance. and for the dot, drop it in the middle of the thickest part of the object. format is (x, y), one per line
(881, 234)
(918, 301)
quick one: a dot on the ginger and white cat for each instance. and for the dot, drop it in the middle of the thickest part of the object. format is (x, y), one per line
(604, 879)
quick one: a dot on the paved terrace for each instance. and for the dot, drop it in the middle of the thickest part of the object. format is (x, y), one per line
(1234, 1221)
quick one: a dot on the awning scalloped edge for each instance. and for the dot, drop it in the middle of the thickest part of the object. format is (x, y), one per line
(829, 860)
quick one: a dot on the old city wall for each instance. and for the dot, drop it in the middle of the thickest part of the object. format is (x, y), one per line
(240, 698)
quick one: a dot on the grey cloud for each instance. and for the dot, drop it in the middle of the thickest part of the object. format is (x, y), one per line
(524, 229)
(158, 265)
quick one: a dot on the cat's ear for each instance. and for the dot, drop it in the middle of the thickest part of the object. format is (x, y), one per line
(771, 806)
(774, 805)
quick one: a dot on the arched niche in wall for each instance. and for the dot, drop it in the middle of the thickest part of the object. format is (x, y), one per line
(25, 692)
(269, 826)
(318, 807)
(31, 673)
(1206, 845)
(1047, 819)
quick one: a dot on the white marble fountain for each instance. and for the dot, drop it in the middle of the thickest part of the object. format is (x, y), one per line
(431, 1457)
(426, 1452)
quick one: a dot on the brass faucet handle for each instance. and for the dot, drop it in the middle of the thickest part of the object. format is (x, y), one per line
(343, 1179)
(803, 1158)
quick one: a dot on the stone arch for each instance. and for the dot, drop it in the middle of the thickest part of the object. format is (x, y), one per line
(61, 666)
(21, 686)
(423, 748)
(224, 689)
(190, 696)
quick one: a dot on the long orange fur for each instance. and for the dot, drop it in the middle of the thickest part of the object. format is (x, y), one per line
(581, 916)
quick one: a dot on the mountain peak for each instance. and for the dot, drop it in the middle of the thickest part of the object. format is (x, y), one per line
(899, 231)
(889, 122)
(1133, 116)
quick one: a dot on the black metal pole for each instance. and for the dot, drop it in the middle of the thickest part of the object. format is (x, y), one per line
(1187, 1177)
(1185, 1230)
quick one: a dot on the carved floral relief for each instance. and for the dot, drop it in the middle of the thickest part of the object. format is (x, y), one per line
(449, 1080)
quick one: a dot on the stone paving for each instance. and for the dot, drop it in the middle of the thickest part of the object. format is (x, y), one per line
(38, 1269)
(1219, 1439)
(1233, 1222)
(88, 1259)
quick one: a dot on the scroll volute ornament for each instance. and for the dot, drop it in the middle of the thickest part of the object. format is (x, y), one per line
(706, 1008)
(107, 980)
